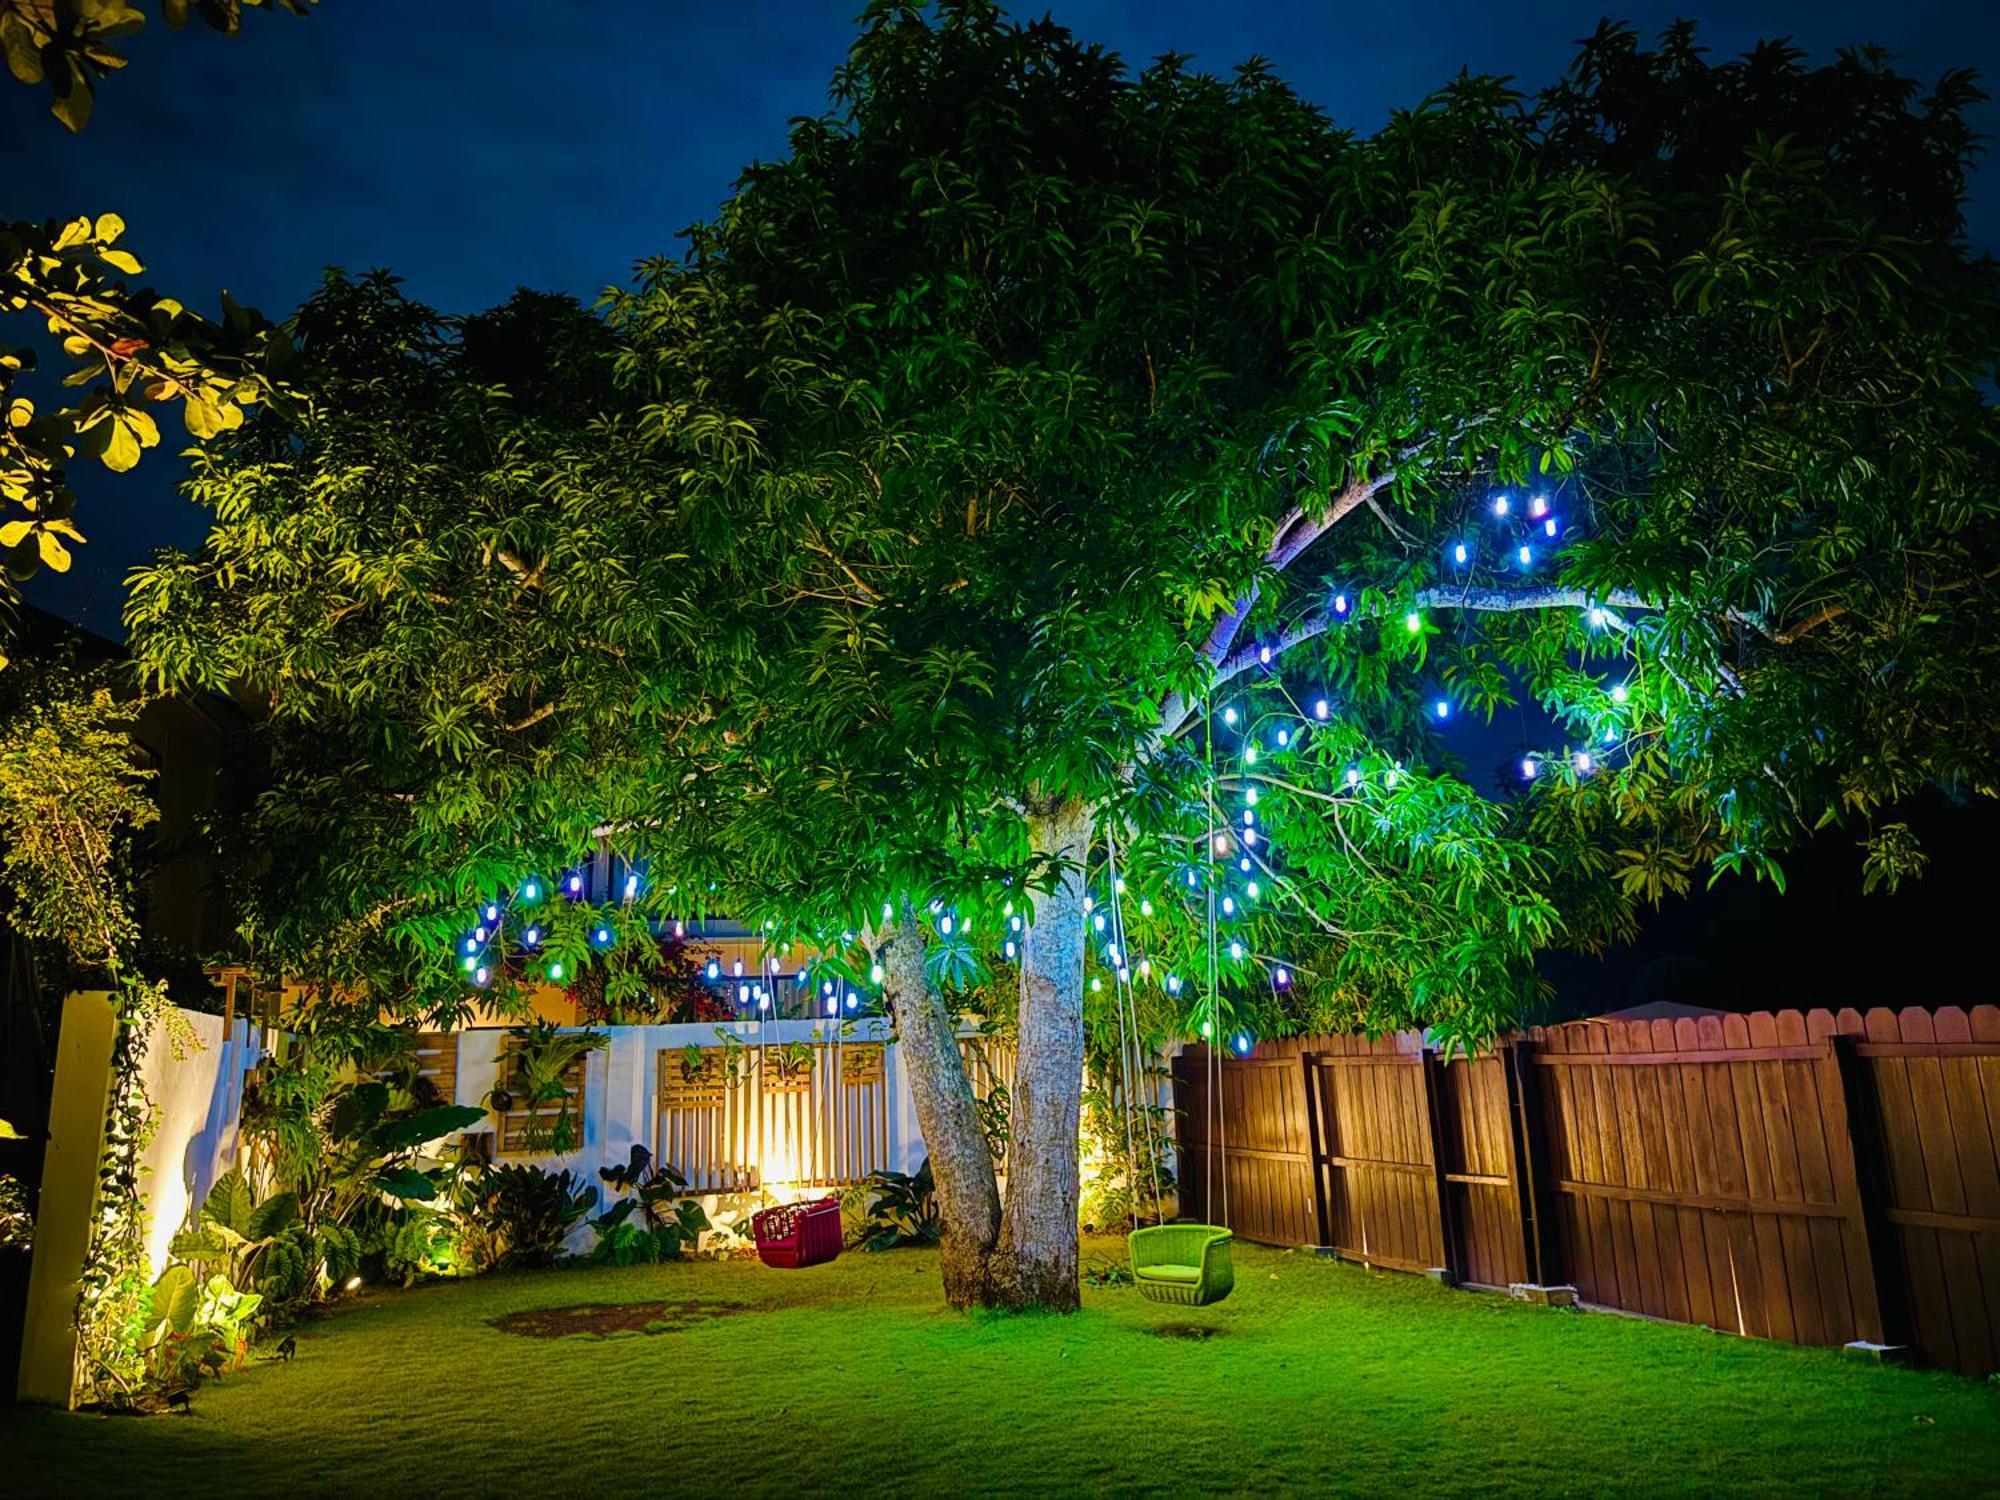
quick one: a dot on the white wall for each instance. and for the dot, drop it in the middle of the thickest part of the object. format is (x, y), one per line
(197, 1108)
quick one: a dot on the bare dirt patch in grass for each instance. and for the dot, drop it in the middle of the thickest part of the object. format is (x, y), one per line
(603, 1319)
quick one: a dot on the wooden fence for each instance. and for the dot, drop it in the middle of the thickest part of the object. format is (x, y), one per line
(1816, 1176)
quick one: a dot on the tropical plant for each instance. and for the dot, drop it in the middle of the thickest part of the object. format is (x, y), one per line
(668, 988)
(535, 1072)
(654, 1218)
(901, 1209)
(526, 1213)
(192, 1330)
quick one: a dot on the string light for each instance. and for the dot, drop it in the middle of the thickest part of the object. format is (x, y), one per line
(556, 969)
(1264, 655)
(1252, 891)
(1281, 977)
(1583, 762)
(714, 970)
(1354, 776)
(1098, 921)
(480, 977)
(471, 964)
(1340, 604)
(1459, 554)
(1242, 1043)
(1499, 505)
(1549, 526)
(1229, 716)
(1539, 506)
(1243, 864)
(1283, 737)
(1236, 951)
(1527, 557)
(1249, 837)
(471, 945)
(944, 925)
(1173, 984)
(532, 936)
(1442, 708)
(1413, 622)
(875, 973)
(1249, 755)
(1528, 768)
(492, 912)
(1619, 692)
(1250, 796)
(1321, 710)
(531, 892)
(1229, 906)
(575, 885)
(1145, 908)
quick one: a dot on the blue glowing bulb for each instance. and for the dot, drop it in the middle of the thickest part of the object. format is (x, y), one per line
(604, 934)
(1229, 906)
(1539, 506)
(1499, 505)
(1243, 864)
(714, 969)
(471, 945)
(1251, 890)
(480, 933)
(1619, 692)
(1549, 526)
(1528, 768)
(1459, 554)
(575, 884)
(1321, 710)
(471, 964)
(1281, 976)
(1283, 737)
(1236, 950)
(532, 936)
(1442, 708)
(1173, 984)
(1340, 604)
(1241, 1042)
(1527, 557)
(1229, 716)
(492, 912)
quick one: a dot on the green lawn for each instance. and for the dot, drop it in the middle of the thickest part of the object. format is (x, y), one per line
(853, 1378)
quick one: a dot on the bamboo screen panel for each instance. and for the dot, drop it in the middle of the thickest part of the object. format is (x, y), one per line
(815, 1117)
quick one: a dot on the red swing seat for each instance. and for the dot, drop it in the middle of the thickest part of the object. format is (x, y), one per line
(798, 1234)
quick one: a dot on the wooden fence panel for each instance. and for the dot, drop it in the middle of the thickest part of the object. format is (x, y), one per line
(1818, 1177)
(815, 1118)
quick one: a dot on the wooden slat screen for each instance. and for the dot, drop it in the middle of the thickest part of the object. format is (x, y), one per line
(822, 1121)
(523, 1131)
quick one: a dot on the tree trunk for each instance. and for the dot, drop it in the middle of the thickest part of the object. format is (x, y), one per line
(1035, 1262)
(961, 1160)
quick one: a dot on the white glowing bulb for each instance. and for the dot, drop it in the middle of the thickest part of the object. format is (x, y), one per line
(1243, 864)
(556, 970)
(1096, 984)
(1010, 947)
(1459, 554)
(1251, 796)
(1221, 847)
(1539, 506)
(532, 936)
(1284, 738)
(875, 973)
(1281, 976)
(1145, 908)
(492, 912)
(737, 968)
(1249, 818)
(1098, 921)
(1583, 762)
(1528, 768)
(1252, 890)
(1321, 709)
(1527, 556)
(1619, 692)
(480, 977)
(1499, 505)
(1249, 837)
(1413, 622)
(1229, 906)
(1264, 655)
(1354, 776)
(1442, 708)
(944, 925)
(1173, 984)
(1340, 604)
(1235, 950)
(1229, 716)
(1549, 526)
(1249, 755)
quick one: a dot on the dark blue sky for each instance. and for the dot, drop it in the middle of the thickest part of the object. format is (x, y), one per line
(475, 148)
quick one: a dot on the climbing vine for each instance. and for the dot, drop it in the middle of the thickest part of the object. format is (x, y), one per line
(71, 797)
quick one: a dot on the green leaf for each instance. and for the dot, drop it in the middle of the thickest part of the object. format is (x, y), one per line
(176, 1298)
(426, 1125)
(274, 1215)
(230, 1203)
(408, 1184)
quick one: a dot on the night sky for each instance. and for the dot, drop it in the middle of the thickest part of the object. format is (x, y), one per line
(475, 148)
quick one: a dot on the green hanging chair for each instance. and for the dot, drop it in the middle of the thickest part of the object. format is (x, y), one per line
(1183, 1263)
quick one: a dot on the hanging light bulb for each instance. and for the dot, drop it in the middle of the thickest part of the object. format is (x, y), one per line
(1321, 709)
(1527, 557)
(737, 968)
(1236, 950)
(1539, 506)
(1549, 526)
(1229, 716)
(1413, 622)
(1528, 768)
(1499, 505)
(875, 973)
(1619, 692)
(1442, 708)
(714, 970)
(556, 969)
(1145, 908)
(1281, 977)
(1340, 604)
(1229, 906)
(742, 994)
(833, 1007)
(1252, 891)
(1354, 776)
(492, 912)
(1460, 555)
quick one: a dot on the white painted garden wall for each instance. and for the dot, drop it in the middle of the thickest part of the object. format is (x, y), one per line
(197, 1113)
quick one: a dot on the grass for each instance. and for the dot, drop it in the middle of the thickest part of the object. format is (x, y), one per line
(853, 1377)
